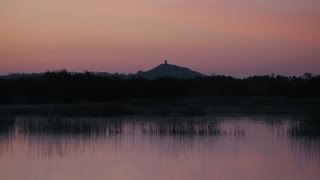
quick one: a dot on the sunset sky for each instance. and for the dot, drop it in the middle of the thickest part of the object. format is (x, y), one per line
(230, 37)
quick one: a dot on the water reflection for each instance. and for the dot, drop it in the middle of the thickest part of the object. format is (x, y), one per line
(304, 136)
(67, 126)
(271, 141)
(100, 126)
(305, 127)
(7, 125)
(49, 136)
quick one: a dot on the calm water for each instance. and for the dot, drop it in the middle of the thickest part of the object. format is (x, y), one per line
(256, 147)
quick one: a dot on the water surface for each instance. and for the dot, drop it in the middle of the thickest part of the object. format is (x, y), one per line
(224, 147)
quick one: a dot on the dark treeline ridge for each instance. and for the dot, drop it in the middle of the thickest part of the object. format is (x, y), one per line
(66, 87)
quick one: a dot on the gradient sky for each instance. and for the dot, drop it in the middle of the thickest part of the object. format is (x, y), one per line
(239, 38)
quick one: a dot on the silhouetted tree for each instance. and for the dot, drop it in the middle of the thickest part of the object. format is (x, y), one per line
(63, 86)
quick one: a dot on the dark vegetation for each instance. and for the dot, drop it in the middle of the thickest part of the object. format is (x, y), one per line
(66, 87)
(91, 126)
(7, 124)
(306, 127)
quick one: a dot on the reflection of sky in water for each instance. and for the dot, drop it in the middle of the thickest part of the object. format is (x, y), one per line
(156, 148)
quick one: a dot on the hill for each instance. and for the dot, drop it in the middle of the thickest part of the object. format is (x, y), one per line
(169, 70)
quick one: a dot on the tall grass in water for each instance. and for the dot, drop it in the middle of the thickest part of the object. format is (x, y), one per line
(305, 138)
(7, 124)
(68, 126)
(306, 127)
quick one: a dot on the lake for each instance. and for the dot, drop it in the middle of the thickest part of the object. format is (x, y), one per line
(242, 147)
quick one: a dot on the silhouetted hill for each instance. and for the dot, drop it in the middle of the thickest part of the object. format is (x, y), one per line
(169, 70)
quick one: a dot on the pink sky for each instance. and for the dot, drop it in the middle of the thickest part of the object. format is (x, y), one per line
(239, 38)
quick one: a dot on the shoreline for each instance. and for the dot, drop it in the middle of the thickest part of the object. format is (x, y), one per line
(196, 106)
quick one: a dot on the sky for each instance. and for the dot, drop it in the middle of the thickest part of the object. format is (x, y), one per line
(229, 37)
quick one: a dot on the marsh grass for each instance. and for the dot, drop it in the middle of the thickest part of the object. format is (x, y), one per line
(7, 124)
(306, 127)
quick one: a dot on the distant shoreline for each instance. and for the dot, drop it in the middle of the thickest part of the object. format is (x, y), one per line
(196, 106)
(66, 87)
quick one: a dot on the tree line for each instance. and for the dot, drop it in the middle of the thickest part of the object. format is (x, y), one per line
(66, 87)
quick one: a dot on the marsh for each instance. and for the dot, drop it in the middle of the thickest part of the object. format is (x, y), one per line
(160, 147)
